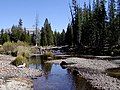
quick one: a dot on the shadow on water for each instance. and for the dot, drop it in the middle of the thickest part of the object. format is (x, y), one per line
(56, 78)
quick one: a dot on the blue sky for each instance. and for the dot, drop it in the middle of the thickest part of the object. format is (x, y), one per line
(57, 12)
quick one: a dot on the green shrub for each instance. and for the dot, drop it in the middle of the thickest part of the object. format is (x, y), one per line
(1, 50)
(8, 47)
(19, 61)
(16, 49)
(21, 43)
(34, 50)
(46, 55)
(23, 51)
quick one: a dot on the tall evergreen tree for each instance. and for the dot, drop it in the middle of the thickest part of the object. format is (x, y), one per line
(2, 32)
(78, 25)
(73, 10)
(5, 37)
(49, 33)
(43, 37)
(16, 33)
(97, 27)
(102, 23)
(58, 39)
(90, 27)
(63, 37)
(85, 26)
(112, 35)
(69, 35)
(55, 38)
(118, 20)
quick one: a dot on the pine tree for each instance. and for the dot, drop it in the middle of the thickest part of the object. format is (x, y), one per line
(29, 38)
(49, 33)
(90, 27)
(58, 39)
(5, 37)
(118, 20)
(85, 26)
(73, 10)
(111, 28)
(69, 35)
(43, 37)
(102, 24)
(24, 36)
(96, 15)
(16, 33)
(55, 38)
(63, 37)
(78, 27)
(2, 32)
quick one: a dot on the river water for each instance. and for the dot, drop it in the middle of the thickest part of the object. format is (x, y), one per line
(56, 78)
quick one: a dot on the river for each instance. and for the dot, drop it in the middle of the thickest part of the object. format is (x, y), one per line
(56, 78)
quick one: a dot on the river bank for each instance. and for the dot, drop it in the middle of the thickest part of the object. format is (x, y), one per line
(13, 78)
(93, 71)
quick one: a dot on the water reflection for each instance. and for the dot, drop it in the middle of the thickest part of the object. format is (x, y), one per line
(56, 78)
(39, 63)
(79, 83)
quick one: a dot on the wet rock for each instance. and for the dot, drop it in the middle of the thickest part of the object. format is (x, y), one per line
(75, 72)
(63, 63)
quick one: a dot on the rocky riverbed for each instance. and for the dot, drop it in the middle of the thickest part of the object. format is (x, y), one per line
(13, 78)
(93, 71)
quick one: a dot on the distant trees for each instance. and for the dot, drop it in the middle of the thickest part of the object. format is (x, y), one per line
(60, 38)
(69, 35)
(16, 33)
(47, 34)
(4, 37)
(43, 37)
(63, 38)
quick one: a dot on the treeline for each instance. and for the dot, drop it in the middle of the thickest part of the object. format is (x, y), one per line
(45, 36)
(94, 27)
(16, 33)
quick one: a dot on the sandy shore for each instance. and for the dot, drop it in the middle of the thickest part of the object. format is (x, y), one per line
(93, 71)
(13, 78)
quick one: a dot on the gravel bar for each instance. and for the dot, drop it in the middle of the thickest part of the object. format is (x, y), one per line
(13, 78)
(93, 71)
